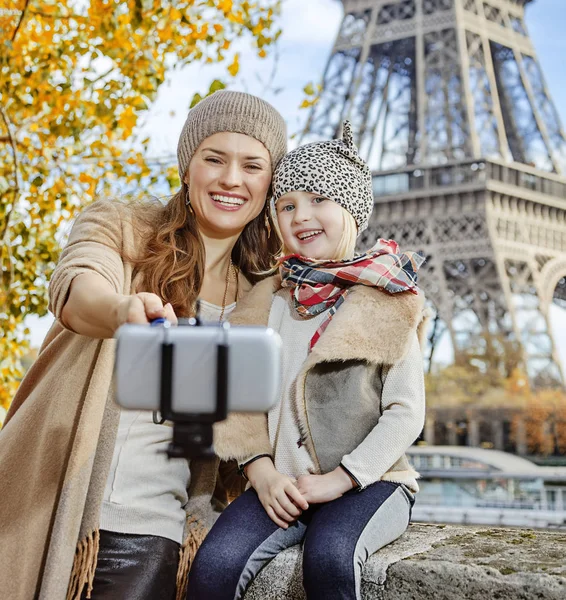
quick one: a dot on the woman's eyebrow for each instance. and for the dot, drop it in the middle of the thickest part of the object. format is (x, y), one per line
(256, 158)
(216, 151)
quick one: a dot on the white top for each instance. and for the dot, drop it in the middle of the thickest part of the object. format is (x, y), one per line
(145, 491)
(402, 402)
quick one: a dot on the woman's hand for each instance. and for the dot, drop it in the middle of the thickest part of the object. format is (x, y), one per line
(94, 309)
(317, 489)
(144, 308)
(277, 493)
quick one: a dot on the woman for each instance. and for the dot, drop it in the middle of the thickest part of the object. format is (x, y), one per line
(77, 473)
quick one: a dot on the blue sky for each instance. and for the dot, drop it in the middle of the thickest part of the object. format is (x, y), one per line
(546, 22)
(309, 29)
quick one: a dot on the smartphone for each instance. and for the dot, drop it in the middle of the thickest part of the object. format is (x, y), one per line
(254, 367)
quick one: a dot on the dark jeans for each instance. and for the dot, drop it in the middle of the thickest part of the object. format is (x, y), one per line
(135, 567)
(337, 537)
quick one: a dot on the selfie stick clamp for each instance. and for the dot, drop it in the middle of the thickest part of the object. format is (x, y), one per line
(193, 433)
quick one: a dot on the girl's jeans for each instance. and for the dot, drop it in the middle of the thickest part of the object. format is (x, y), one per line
(338, 537)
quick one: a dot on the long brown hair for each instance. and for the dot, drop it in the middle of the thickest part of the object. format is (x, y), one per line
(173, 261)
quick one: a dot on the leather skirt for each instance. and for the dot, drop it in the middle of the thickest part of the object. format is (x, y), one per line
(135, 567)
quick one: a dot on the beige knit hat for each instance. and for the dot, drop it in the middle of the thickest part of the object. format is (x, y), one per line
(236, 112)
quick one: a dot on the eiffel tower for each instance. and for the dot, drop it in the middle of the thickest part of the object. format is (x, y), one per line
(450, 109)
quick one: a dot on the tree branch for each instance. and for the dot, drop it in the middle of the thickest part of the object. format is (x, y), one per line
(102, 76)
(45, 15)
(22, 16)
(16, 190)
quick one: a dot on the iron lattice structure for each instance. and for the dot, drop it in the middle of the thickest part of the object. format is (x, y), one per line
(450, 109)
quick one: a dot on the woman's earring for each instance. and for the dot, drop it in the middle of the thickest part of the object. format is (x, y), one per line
(188, 200)
(267, 224)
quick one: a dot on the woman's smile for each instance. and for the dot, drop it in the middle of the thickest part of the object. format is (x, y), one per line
(227, 201)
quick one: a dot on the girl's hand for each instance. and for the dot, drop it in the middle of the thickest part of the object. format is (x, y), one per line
(277, 493)
(143, 308)
(317, 489)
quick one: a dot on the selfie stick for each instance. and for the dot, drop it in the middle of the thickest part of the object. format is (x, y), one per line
(192, 432)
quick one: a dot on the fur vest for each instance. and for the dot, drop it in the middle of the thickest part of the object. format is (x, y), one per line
(338, 396)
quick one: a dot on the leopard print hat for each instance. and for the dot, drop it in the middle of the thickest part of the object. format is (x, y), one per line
(332, 169)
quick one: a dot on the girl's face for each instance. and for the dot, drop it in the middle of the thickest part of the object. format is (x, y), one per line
(228, 178)
(310, 225)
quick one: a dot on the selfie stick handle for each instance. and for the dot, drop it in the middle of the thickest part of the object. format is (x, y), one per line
(222, 363)
(192, 433)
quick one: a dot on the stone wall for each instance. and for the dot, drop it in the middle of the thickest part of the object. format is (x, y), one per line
(444, 562)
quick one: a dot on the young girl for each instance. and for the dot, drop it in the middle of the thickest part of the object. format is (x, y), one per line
(352, 398)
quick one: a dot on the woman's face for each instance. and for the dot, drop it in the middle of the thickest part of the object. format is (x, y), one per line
(310, 225)
(228, 178)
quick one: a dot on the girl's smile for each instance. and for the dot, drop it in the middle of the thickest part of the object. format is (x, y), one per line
(308, 235)
(310, 224)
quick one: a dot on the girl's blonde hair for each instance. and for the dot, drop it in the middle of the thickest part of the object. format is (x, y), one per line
(346, 247)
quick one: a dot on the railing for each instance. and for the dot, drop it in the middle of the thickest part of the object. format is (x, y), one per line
(465, 173)
(425, 178)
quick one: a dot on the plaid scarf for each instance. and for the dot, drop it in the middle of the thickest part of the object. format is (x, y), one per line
(319, 285)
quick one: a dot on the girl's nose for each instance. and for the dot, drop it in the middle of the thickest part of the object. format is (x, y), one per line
(302, 214)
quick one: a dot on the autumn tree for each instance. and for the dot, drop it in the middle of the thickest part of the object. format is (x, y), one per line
(75, 77)
(479, 375)
(538, 416)
(544, 419)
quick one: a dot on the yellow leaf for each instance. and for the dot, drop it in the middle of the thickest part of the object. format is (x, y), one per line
(236, 17)
(235, 66)
(309, 89)
(225, 6)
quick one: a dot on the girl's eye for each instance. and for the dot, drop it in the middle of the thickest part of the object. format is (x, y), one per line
(288, 208)
(318, 200)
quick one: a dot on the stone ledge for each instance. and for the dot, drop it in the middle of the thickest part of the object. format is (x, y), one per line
(444, 562)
